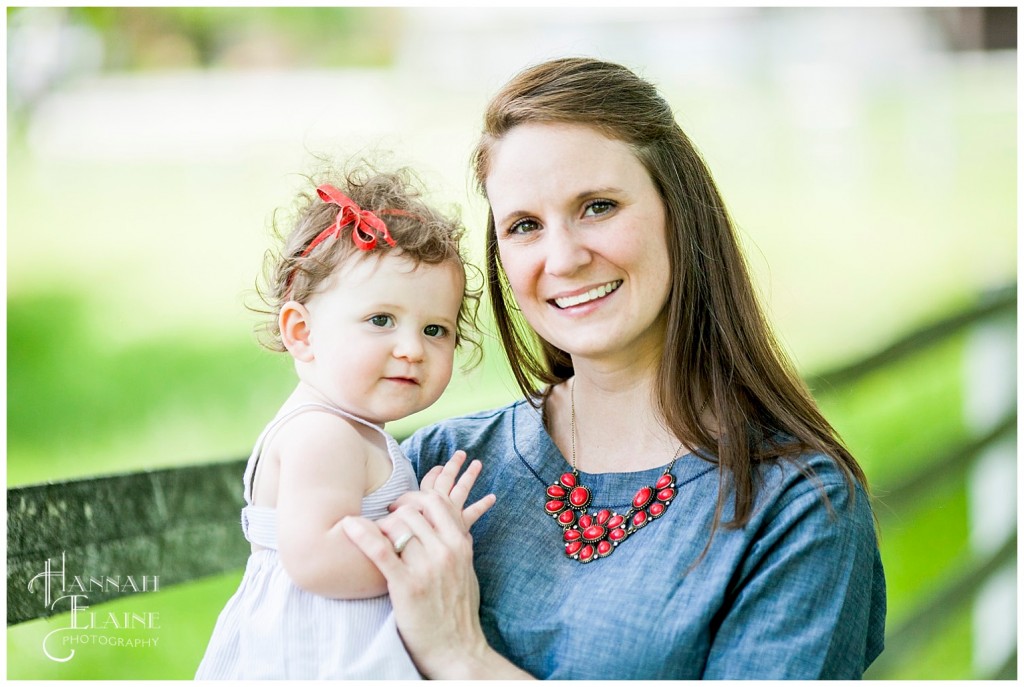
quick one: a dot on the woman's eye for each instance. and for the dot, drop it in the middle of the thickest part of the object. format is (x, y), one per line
(382, 321)
(598, 207)
(435, 330)
(523, 226)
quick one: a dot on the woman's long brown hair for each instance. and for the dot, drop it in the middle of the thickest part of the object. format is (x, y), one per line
(724, 384)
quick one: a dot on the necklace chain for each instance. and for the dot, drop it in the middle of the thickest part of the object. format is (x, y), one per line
(572, 429)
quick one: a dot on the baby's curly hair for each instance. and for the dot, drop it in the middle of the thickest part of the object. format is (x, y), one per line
(420, 232)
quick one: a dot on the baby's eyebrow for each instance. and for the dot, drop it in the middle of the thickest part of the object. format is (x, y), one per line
(448, 322)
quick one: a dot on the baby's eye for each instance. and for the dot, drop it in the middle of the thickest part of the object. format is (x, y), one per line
(524, 226)
(598, 207)
(382, 321)
(435, 330)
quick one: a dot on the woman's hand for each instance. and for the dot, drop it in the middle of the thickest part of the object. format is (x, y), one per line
(432, 583)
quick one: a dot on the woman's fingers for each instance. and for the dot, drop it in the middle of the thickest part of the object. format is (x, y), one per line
(424, 530)
(430, 519)
(447, 520)
(374, 544)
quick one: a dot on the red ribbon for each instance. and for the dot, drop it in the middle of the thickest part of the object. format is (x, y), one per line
(366, 226)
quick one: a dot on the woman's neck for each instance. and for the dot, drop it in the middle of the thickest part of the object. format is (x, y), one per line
(618, 425)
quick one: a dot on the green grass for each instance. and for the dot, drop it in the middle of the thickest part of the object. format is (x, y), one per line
(187, 614)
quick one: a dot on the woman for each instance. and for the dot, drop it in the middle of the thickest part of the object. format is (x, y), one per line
(671, 504)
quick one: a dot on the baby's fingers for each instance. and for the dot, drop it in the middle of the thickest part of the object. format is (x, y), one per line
(429, 479)
(460, 492)
(472, 512)
(445, 478)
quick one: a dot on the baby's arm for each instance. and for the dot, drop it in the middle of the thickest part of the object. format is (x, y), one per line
(323, 477)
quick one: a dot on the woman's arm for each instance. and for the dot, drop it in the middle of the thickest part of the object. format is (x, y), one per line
(809, 601)
(433, 586)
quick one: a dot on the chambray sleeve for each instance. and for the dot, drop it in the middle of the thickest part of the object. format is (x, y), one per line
(808, 601)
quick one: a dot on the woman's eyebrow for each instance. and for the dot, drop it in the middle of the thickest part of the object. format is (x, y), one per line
(508, 217)
(599, 191)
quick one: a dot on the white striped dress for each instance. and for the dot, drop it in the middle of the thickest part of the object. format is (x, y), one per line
(272, 629)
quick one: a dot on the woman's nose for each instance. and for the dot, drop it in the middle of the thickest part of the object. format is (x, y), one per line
(564, 253)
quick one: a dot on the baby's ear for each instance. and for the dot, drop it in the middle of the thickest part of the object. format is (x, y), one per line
(293, 320)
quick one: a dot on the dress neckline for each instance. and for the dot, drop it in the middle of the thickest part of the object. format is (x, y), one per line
(534, 446)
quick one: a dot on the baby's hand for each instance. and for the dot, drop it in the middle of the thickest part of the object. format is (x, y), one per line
(442, 481)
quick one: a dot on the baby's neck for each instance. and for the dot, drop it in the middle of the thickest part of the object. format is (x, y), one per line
(307, 393)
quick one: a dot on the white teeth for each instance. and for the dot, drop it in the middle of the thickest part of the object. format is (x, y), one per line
(591, 295)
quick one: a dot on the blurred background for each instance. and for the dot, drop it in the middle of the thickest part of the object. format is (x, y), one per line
(868, 156)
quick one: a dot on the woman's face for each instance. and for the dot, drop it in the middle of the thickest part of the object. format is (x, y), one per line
(581, 236)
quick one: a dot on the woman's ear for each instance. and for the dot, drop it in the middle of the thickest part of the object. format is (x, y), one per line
(293, 321)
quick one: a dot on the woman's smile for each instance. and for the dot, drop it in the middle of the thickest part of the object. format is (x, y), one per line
(588, 296)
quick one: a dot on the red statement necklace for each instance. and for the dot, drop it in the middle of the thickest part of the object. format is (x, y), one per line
(591, 536)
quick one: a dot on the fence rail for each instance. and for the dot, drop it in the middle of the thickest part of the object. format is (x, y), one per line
(183, 522)
(992, 304)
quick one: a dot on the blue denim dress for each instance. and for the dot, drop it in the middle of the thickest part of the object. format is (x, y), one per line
(797, 593)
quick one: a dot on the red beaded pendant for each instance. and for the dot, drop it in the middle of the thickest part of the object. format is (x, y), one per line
(642, 498)
(579, 498)
(554, 507)
(587, 536)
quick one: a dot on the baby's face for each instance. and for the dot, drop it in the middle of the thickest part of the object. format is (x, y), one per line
(382, 333)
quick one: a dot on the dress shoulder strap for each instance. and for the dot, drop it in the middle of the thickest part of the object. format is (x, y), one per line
(277, 422)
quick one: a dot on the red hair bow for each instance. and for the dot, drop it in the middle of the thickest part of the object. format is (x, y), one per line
(366, 226)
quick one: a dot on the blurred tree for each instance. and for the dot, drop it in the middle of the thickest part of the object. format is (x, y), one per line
(50, 47)
(139, 38)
